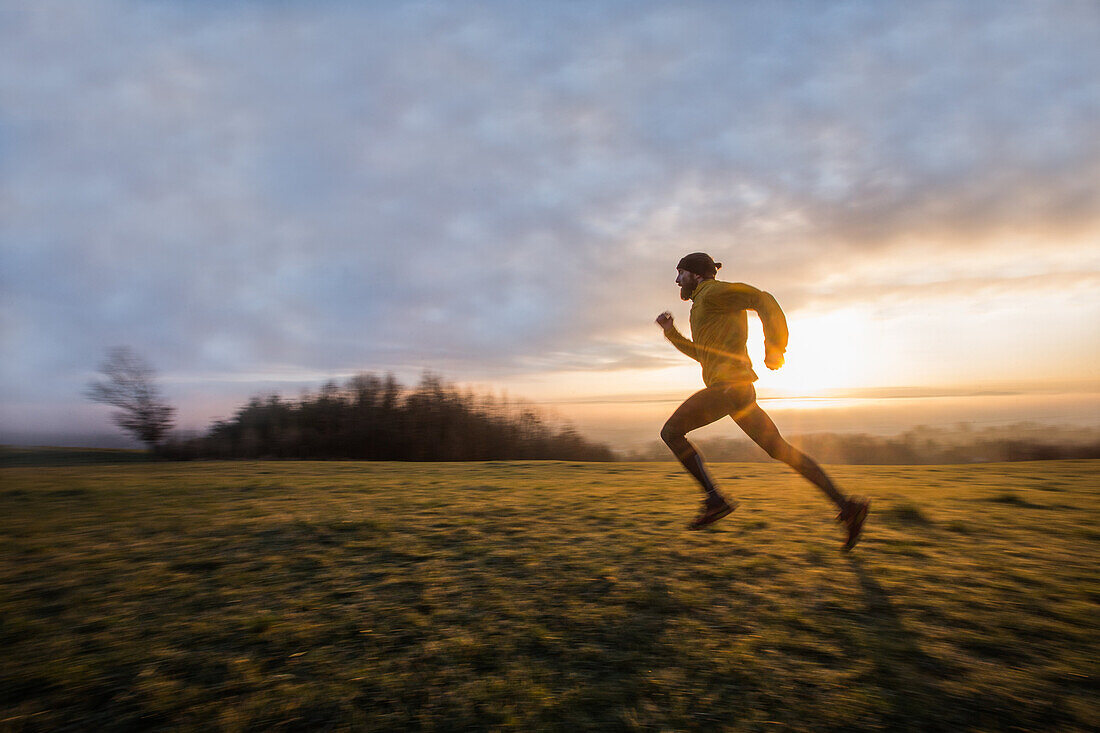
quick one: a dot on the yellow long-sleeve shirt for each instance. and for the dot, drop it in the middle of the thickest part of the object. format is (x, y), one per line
(719, 330)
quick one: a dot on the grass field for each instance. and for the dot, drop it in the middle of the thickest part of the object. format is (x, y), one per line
(545, 596)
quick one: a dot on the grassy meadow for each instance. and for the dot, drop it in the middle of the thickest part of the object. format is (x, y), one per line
(544, 596)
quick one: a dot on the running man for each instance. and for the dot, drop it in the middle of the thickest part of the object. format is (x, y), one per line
(719, 329)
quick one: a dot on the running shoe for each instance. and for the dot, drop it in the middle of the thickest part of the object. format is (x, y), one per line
(712, 512)
(852, 516)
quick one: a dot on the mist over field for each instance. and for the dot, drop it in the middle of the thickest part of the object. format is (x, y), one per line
(375, 417)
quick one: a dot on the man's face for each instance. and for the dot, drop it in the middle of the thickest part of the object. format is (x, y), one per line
(687, 281)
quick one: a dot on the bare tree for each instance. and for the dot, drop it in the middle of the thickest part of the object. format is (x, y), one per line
(129, 386)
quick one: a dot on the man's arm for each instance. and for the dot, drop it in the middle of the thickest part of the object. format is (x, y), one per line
(678, 339)
(775, 330)
(739, 296)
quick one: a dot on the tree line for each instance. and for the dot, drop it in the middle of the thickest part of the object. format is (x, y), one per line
(377, 418)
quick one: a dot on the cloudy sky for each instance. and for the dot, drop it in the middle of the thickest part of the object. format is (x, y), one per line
(261, 196)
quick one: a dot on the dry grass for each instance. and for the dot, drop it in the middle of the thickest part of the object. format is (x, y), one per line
(306, 596)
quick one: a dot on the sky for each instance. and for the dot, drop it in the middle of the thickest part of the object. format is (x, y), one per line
(258, 197)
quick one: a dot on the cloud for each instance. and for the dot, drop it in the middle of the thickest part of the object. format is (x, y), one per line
(485, 187)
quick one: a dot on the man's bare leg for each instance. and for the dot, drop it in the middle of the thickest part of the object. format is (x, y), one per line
(702, 408)
(739, 402)
(759, 426)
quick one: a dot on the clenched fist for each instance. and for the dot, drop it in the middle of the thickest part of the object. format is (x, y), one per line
(773, 358)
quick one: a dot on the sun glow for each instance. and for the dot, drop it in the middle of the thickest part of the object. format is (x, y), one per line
(833, 351)
(825, 352)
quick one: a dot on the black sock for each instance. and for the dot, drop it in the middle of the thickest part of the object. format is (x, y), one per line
(693, 462)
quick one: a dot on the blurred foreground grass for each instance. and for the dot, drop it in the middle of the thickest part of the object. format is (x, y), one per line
(306, 596)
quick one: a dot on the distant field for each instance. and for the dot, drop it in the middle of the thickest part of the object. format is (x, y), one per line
(548, 596)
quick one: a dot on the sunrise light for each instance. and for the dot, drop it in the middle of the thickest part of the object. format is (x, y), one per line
(830, 351)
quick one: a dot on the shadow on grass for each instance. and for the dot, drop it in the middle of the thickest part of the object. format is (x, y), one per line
(1013, 499)
(920, 691)
(907, 515)
(909, 679)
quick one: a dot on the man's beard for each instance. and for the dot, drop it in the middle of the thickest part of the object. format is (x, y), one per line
(685, 292)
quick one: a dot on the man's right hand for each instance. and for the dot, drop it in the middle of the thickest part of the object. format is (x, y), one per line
(665, 320)
(773, 357)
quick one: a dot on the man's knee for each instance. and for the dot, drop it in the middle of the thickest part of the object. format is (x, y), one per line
(671, 434)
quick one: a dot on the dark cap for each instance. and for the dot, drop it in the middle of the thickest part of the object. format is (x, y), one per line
(700, 263)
